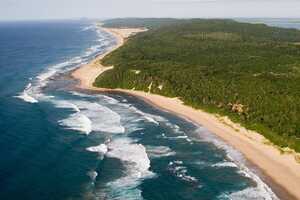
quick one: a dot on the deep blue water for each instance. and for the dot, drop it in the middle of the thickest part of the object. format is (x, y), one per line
(58, 143)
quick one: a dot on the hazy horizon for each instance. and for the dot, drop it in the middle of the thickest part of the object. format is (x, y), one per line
(98, 9)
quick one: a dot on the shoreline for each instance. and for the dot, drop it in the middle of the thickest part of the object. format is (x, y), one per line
(280, 171)
(94, 68)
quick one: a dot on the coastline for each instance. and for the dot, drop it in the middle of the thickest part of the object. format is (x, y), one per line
(282, 169)
(94, 68)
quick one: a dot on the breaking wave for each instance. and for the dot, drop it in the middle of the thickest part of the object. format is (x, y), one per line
(180, 171)
(90, 116)
(33, 92)
(137, 163)
(86, 117)
(236, 159)
(101, 149)
(156, 119)
(66, 104)
(79, 122)
(159, 151)
(25, 95)
(225, 164)
(93, 175)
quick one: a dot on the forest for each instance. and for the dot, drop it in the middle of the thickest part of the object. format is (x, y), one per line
(248, 72)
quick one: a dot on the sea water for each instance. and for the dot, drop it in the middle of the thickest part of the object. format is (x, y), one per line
(58, 143)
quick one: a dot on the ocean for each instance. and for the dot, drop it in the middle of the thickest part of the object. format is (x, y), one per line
(60, 143)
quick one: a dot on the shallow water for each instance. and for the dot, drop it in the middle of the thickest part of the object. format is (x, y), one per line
(57, 143)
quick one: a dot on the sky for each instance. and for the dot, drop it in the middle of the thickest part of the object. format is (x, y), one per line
(69, 9)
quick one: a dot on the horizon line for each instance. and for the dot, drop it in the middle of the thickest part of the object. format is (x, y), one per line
(106, 18)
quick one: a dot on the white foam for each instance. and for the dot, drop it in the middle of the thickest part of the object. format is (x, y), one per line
(76, 60)
(179, 137)
(81, 94)
(77, 121)
(108, 99)
(46, 75)
(159, 151)
(135, 154)
(65, 104)
(101, 149)
(176, 137)
(149, 117)
(174, 127)
(25, 95)
(93, 50)
(178, 162)
(156, 119)
(102, 97)
(90, 116)
(103, 118)
(34, 93)
(93, 175)
(91, 27)
(137, 163)
(260, 191)
(225, 164)
(180, 171)
(134, 128)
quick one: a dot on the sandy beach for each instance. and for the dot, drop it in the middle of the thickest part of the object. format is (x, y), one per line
(89, 72)
(282, 169)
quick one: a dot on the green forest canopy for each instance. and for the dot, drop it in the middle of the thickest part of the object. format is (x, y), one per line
(249, 72)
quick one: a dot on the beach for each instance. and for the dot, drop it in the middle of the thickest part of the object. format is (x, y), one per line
(282, 169)
(94, 68)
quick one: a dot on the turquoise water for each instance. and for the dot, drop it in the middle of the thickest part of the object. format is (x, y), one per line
(59, 143)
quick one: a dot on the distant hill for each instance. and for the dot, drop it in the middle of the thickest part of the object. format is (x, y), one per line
(249, 72)
(140, 22)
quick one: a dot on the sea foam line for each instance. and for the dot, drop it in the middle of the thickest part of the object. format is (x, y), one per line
(25, 95)
(90, 116)
(177, 167)
(82, 120)
(159, 151)
(137, 163)
(33, 91)
(156, 119)
(236, 159)
(101, 149)
(77, 121)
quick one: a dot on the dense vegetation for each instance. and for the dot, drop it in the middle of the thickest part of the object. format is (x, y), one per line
(138, 22)
(249, 72)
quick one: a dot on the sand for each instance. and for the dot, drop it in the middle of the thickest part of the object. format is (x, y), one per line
(282, 169)
(89, 72)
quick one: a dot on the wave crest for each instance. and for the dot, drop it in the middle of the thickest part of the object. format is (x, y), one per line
(137, 164)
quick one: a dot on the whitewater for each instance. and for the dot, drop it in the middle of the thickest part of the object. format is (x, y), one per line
(135, 151)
